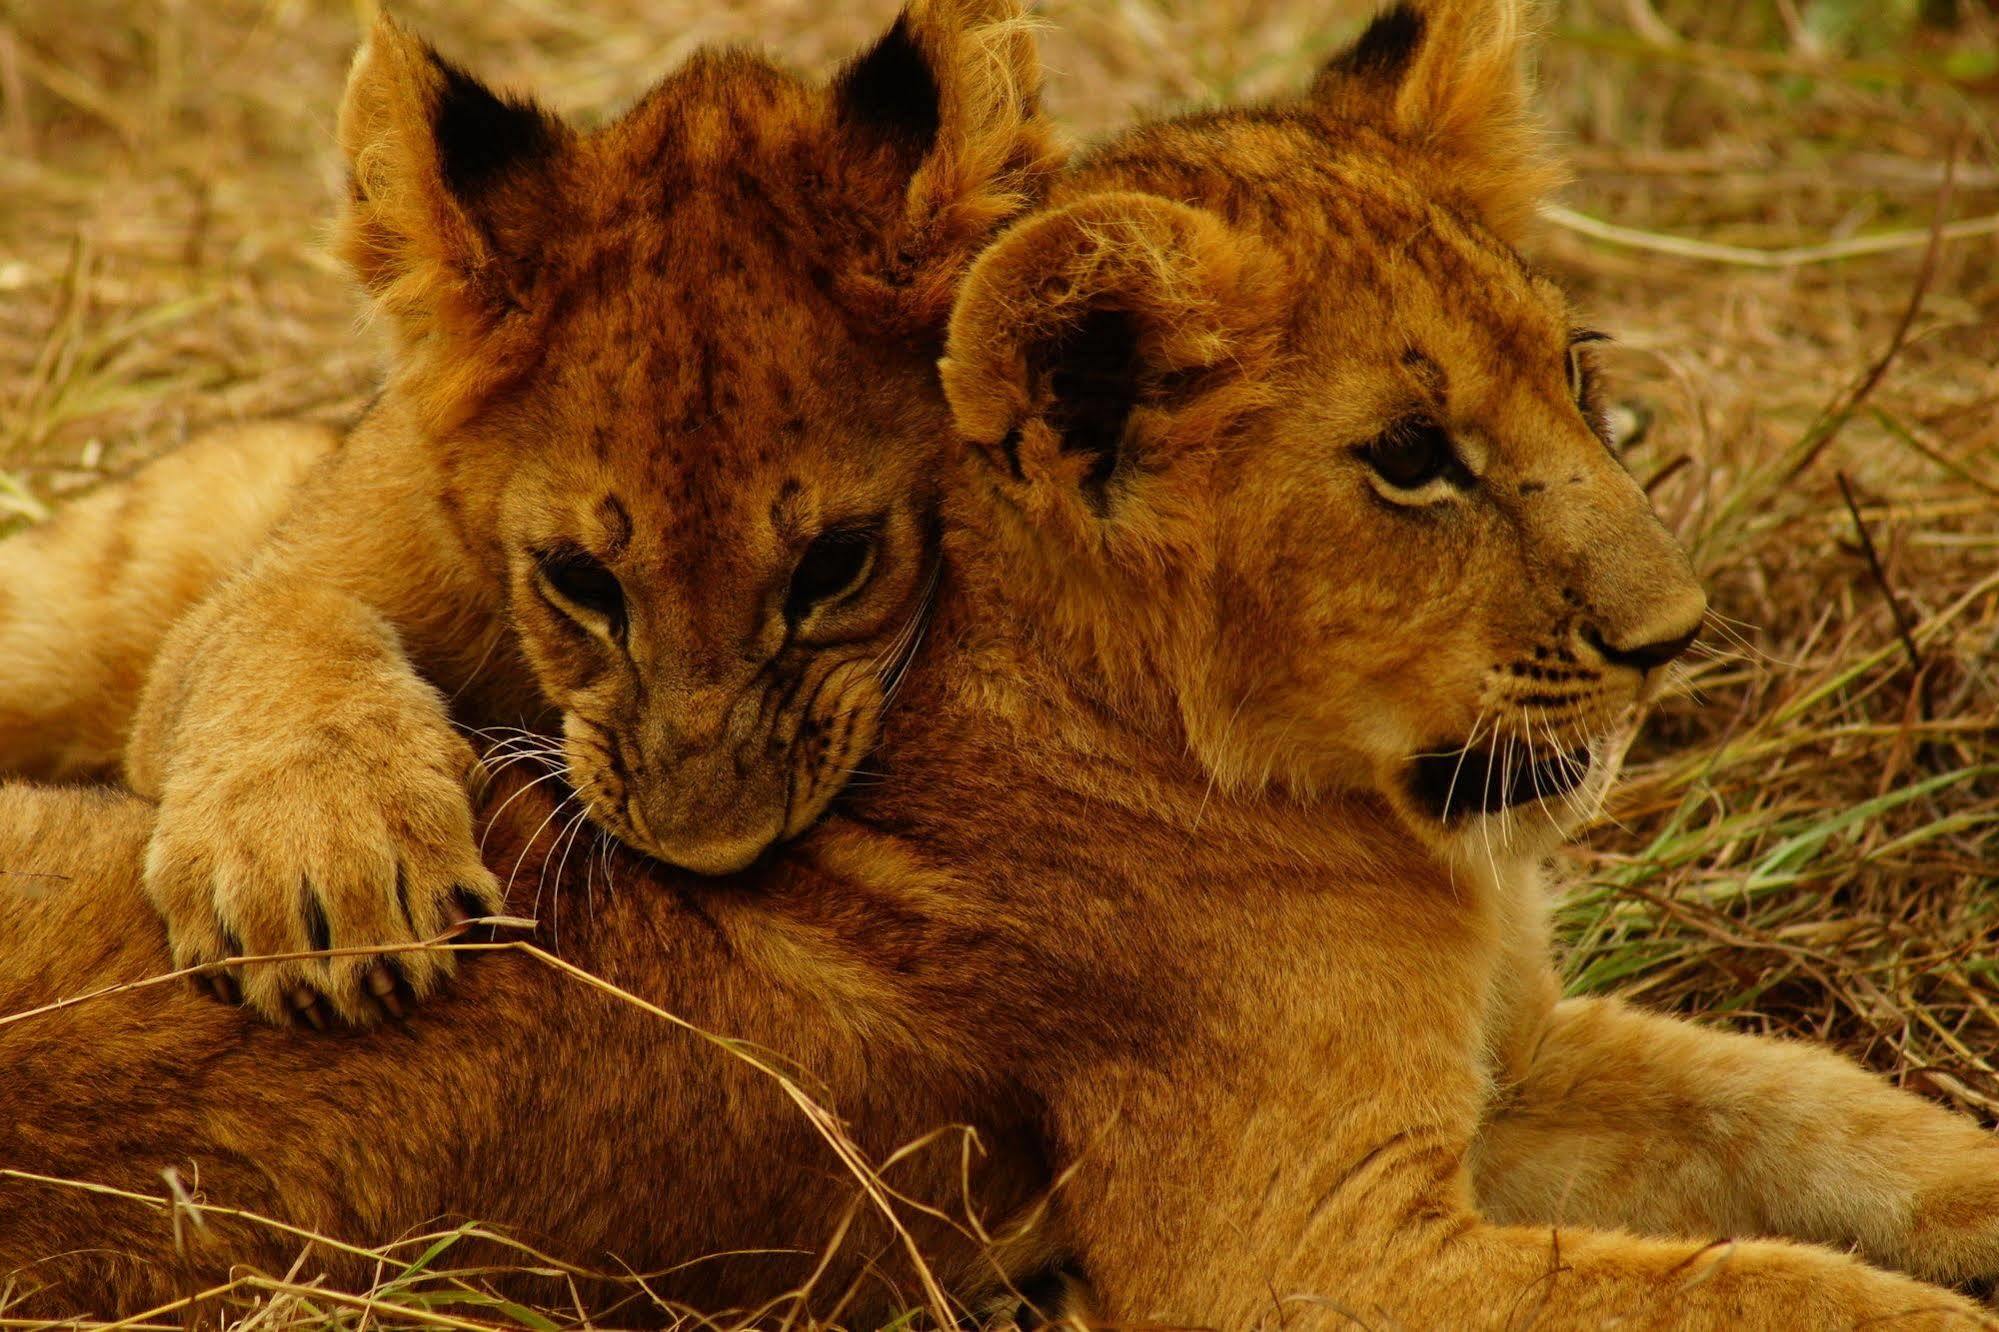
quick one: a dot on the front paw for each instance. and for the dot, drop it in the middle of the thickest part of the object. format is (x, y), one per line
(338, 854)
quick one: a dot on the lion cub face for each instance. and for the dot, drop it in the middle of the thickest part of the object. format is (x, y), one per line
(1325, 446)
(722, 607)
(1474, 591)
(679, 375)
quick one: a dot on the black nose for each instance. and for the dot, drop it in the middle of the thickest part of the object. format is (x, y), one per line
(1643, 656)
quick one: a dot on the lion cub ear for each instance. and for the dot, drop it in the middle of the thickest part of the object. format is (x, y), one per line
(1447, 77)
(948, 105)
(1095, 343)
(447, 186)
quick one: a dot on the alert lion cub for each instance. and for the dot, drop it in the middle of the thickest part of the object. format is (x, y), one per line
(501, 546)
(1277, 464)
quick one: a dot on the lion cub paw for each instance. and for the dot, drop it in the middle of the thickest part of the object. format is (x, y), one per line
(322, 852)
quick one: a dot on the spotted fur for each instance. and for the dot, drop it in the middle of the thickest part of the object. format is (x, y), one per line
(745, 271)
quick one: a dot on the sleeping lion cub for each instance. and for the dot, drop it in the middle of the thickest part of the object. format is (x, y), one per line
(503, 543)
(1277, 464)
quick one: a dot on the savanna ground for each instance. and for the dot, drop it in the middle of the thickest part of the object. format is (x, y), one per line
(1787, 213)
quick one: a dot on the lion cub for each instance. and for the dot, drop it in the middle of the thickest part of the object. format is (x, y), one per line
(498, 549)
(1300, 577)
(1275, 461)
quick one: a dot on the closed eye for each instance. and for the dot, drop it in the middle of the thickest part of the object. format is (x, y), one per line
(581, 585)
(835, 565)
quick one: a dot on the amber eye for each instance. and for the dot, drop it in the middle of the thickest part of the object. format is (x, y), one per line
(1583, 384)
(1411, 454)
(835, 563)
(1582, 369)
(580, 579)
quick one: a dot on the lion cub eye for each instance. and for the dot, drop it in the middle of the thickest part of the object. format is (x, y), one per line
(836, 563)
(1411, 454)
(1583, 385)
(1582, 369)
(580, 580)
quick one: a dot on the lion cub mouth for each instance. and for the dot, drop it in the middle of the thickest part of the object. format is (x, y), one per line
(1457, 782)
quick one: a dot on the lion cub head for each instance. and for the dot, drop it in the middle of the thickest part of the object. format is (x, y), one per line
(1298, 453)
(678, 376)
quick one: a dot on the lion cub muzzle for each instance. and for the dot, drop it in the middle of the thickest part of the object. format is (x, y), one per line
(1622, 605)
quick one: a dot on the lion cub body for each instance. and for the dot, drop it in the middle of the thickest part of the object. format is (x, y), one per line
(745, 265)
(572, 1122)
(90, 594)
(1160, 899)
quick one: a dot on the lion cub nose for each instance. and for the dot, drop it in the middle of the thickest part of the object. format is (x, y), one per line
(1648, 646)
(1644, 656)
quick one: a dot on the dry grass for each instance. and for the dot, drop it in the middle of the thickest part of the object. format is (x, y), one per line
(1808, 841)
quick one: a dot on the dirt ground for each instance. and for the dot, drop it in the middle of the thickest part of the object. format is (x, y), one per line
(1787, 213)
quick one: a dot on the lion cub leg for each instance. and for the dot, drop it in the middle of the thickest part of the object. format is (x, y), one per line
(1242, 1207)
(1626, 1118)
(313, 793)
(1297, 1156)
(86, 597)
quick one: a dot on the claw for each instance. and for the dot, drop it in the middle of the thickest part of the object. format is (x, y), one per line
(220, 986)
(382, 983)
(306, 1004)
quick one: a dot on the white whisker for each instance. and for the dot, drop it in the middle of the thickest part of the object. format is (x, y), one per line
(528, 845)
(567, 841)
(1464, 753)
(478, 668)
(495, 817)
(1484, 804)
(1213, 773)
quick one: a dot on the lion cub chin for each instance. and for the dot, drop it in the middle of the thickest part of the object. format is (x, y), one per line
(745, 271)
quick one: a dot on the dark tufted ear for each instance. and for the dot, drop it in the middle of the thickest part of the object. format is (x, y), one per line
(948, 105)
(890, 92)
(1095, 342)
(449, 187)
(1446, 77)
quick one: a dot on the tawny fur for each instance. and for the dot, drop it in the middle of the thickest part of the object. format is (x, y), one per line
(1146, 898)
(86, 597)
(743, 263)
(574, 1122)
